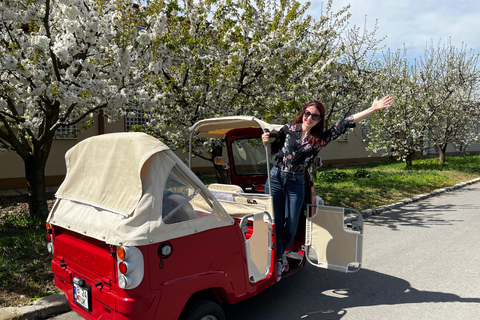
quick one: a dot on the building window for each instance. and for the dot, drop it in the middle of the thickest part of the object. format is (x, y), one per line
(365, 132)
(343, 137)
(135, 117)
(339, 79)
(66, 132)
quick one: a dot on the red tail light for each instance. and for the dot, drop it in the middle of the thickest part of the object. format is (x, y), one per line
(122, 267)
(49, 238)
(130, 267)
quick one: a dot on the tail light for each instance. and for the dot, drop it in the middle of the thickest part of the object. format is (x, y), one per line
(130, 267)
(49, 238)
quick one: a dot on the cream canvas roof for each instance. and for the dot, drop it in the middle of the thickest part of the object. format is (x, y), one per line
(114, 190)
(105, 170)
(219, 127)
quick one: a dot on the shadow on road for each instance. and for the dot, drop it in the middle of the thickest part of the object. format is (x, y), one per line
(323, 294)
(315, 293)
(421, 214)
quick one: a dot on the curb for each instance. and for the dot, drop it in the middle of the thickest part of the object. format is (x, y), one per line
(57, 304)
(42, 308)
(379, 210)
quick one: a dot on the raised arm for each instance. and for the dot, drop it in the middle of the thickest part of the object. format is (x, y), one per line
(385, 102)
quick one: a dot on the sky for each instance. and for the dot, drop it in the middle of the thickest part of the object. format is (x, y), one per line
(414, 24)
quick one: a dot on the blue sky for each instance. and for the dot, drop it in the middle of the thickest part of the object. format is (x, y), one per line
(415, 23)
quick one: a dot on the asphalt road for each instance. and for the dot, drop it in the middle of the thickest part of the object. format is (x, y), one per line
(421, 261)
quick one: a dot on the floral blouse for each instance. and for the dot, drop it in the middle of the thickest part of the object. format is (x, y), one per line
(296, 155)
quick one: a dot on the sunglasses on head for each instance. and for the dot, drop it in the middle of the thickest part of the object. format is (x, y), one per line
(315, 116)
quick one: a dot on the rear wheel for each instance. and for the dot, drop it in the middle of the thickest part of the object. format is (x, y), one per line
(204, 310)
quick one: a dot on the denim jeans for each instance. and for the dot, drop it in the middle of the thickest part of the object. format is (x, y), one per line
(288, 192)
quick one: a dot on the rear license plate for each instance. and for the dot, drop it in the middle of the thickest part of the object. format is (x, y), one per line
(82, 296)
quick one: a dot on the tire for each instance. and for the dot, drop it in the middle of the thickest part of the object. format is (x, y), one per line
(204, 310)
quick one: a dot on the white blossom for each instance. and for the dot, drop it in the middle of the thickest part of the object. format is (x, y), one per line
(68, 65)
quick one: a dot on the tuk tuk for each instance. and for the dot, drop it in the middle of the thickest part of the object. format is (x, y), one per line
(134, 233)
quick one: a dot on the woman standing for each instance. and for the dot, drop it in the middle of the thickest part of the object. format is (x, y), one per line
(296, 146)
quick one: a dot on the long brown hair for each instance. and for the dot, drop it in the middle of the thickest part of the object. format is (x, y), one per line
(316, 133)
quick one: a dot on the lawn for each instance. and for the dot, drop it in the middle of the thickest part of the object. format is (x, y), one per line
(372, 185)
(25, 272)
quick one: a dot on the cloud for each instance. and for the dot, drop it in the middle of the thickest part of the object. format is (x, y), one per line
(415, 23)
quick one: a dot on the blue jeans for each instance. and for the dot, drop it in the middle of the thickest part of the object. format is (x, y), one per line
(288, 192)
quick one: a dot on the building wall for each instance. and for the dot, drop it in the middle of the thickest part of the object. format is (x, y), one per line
(12, 173)
(336, 152)
(349, 151)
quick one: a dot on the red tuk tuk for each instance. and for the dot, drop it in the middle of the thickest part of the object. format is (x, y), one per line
(135, 234)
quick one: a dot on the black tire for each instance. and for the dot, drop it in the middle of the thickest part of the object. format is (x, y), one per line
(204, 310)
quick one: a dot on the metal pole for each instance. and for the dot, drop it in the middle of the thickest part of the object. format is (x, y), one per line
(190, 149)
(267, 151)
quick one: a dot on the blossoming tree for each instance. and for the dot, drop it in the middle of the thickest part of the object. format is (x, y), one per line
(450, 76)
(238, 57)
(60, 62)
(352, 82)
(436, 103)
(399, 130)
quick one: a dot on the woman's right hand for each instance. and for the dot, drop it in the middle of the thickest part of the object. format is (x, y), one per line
(265, 138)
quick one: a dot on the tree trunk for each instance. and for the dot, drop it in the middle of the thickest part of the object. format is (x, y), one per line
(35, 174)
(409, 160)
(463, 150)
(220, 170)
(441, 153)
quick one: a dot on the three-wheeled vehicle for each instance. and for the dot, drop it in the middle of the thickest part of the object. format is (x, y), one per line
(136, 235)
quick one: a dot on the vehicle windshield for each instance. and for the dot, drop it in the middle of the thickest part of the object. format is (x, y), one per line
(249, 156)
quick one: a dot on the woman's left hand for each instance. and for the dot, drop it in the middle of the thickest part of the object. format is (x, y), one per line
(385, 102)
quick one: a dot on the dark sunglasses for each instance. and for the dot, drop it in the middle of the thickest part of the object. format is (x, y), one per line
(315, 116)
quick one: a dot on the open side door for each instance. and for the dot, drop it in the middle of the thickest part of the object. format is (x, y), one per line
(258, 246)
(334, 240)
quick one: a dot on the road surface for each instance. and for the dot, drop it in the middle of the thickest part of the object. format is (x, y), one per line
(421, 261)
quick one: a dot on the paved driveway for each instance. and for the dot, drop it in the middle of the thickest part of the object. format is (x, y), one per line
(421, 261)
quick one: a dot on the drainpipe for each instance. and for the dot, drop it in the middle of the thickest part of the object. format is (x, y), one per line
(101, 123)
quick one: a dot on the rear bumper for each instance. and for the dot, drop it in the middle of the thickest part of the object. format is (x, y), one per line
(105, 302)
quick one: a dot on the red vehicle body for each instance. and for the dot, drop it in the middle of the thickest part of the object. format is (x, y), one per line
(121, 253)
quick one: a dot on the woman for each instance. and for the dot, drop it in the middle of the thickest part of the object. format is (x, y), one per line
(297, 145)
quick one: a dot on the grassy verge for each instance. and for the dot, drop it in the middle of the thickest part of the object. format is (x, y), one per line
(25, 272)
(375, 184)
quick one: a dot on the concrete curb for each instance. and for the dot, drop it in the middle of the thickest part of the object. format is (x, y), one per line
(56, 304)
(42, 308)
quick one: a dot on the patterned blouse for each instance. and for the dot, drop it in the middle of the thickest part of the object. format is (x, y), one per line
(296, 155)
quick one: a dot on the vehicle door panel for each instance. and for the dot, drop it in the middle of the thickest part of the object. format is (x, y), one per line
(334, 240)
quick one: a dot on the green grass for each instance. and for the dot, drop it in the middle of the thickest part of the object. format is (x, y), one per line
(25, 272)
(375, 184)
